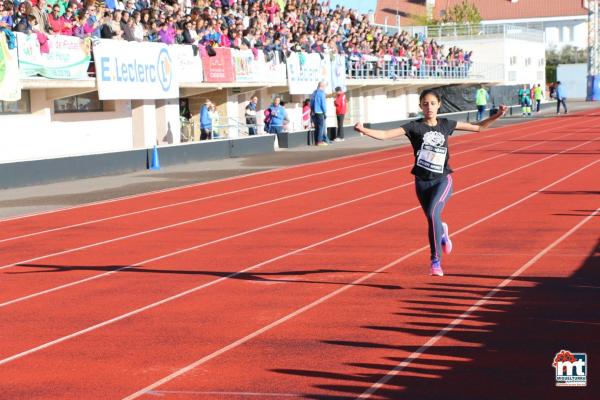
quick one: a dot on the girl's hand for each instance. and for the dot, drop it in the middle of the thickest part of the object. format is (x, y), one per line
(502, 110)
(359, 127)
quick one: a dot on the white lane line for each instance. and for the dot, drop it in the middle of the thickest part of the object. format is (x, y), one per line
(211, 283)
(415, 355)
(315, 303)
(225, 394)
(146, 261)
(239, 190)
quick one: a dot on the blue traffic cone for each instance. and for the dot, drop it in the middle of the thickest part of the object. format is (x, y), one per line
(155, 162)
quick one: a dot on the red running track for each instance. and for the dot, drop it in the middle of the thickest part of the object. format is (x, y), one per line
(311, 281)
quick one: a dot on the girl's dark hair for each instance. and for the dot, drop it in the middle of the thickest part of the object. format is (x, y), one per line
(432, 92)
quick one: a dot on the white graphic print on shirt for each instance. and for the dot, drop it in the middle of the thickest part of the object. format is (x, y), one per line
(432, 155)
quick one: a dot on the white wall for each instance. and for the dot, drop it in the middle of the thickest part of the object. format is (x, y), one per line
(512, 53)
(573, 77)
(44, 134)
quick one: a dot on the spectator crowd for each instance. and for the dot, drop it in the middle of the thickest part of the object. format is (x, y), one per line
(283, 26)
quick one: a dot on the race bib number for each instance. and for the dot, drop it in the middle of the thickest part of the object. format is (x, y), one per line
(432, 158)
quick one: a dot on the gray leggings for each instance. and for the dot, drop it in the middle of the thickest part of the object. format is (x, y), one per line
(433, 196)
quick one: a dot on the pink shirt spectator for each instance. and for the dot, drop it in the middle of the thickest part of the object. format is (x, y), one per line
(225, 41)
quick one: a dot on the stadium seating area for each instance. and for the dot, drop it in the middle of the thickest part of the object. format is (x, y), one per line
(282, 26)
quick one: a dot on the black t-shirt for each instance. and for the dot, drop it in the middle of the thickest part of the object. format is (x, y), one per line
(430, 146)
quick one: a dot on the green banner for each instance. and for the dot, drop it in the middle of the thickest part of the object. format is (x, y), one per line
(67, 57)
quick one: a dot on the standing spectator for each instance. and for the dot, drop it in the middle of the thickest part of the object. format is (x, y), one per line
(92, 26)
(167, 32)
(69, 22)
(306, 114)
(79, 26)
(318, 108)
(525, 100)
(57, 24)
(189, 35)
(307, 121)
(214, 118)
(20, 18)
(205, 121)
(278, 115)
(138, 27)
(41, 16)
(538, 95)
(142, 4)
(62, 5)
(129, 7)
(225, 40)
(340, 112)
(552, 89)
(251, 115)
(111, 28)
(532, 95)
(6, 19)
(126, 26)
(481, 99)
(561, 97)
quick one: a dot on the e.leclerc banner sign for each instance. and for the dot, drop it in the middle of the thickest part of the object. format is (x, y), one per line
(131, 70)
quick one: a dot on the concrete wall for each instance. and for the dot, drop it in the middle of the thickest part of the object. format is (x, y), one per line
(124, 125)
(45, 134)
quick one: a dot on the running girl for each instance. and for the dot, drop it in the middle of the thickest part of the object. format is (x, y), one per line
(429, 139)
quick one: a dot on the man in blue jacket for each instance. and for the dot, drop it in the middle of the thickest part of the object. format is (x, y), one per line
(561, 97)
(278, 116)
(318, 108)
(205, 121)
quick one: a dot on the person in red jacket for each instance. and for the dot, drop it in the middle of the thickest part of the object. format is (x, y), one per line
(340, 112)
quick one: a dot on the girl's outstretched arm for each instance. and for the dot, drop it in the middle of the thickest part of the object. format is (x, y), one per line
(379, 134)
(481, 125)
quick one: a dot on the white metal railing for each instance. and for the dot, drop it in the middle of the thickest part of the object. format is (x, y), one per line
(402, 68)
(469, 31)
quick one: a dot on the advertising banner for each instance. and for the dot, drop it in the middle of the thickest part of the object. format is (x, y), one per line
(338, 71)
(67, 57)
(305, 71)
(247, 68)
(132, 70)
(273, 70)
(10, 87)
(219, 68)
(188, 64)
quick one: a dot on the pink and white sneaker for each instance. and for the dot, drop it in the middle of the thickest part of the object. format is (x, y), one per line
(446, 242)
(436, 268)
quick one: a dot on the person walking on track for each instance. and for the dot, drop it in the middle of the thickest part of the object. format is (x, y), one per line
(433, 182)
(561, 97)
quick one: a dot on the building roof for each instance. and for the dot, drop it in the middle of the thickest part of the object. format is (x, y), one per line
(489, 9)
(406, 9)
(522, 9)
